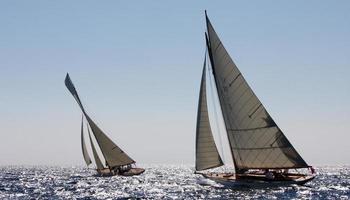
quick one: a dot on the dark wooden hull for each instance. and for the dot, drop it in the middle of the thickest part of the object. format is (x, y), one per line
(257, 180)
(133, 172)
(130, 172)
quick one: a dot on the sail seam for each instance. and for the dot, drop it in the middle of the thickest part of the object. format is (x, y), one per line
(250, 116)
(240, 96)
(251, 129)
(255, 143)
(234, 79)
(217, 46)
(256, 115)
(257, 148)
(267, 156)
(243, 108)
(232, 70)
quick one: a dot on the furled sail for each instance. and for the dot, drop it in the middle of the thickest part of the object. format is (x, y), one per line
(207, 155)
(98, 162)
(256, 141)
(83, 146)
(113, 154)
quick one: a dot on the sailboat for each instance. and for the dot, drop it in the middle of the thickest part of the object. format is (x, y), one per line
(117, 162)
(261, 153)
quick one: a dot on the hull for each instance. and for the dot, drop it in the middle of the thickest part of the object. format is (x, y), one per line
(130, 172)
(257, 180)
(133, 172)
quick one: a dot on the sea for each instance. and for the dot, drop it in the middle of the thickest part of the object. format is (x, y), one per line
(158, 182)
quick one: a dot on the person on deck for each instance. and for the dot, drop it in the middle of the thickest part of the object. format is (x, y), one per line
(312, 170)
(269, 175)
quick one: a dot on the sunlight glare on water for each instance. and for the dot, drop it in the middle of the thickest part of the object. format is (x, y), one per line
(158, 182)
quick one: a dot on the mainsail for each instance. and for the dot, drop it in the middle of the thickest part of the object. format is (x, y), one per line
(98, 162)
(113, 155)
(83, 146)
(255, 140)
(207, 155)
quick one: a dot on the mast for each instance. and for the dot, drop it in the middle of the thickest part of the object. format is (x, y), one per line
(207, 155)
(256, 142)
(207, 39)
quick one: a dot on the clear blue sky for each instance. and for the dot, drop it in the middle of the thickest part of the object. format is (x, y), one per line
(137, 67)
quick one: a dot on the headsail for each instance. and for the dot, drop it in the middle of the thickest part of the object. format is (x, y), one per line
(98, 162)
(83, 146)
(207, 155)
(113, 154)
(256, 141)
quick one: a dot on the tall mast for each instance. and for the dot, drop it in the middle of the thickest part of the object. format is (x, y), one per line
(216, 83)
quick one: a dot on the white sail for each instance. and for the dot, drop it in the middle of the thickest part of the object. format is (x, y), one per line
(98, 162)
(83, 146)
(255, 139)
(113, 155)
(207, 155)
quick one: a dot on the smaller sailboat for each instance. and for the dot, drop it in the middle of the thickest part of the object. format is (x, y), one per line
(261, 153)
(117, 162)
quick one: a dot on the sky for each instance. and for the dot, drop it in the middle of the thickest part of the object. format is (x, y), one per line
(137, 67)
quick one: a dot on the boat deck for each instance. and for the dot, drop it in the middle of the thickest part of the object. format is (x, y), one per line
(130, 172)
(258, 179)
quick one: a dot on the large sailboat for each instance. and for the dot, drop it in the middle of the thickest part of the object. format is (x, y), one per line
(261, 153)
(117, 162)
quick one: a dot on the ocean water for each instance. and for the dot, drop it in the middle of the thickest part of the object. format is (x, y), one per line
(158, 182)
